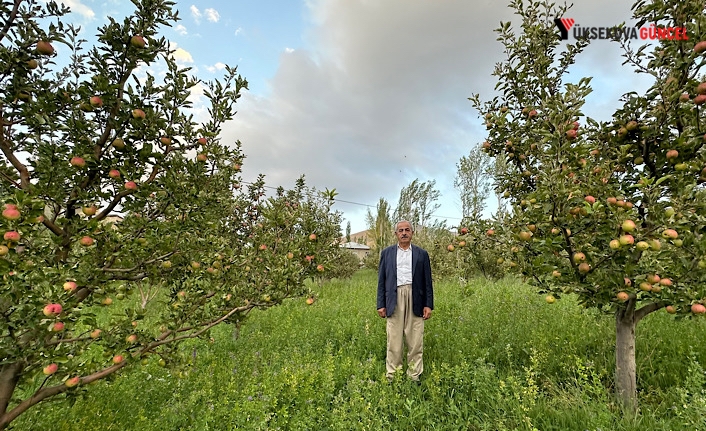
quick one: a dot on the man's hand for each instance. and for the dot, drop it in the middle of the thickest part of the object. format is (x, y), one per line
(382, 312)
(427, 313)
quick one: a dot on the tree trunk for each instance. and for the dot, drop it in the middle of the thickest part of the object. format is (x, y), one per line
(625, 369)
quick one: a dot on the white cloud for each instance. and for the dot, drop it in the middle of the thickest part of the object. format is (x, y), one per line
(238, 31)
(195, 13)
(181, 30)
(79, 8)
(289, 50)
(216, 67)
(180, 55)
(381, 97)
(212, 15)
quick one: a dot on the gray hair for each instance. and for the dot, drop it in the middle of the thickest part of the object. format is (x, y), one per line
(411, 226)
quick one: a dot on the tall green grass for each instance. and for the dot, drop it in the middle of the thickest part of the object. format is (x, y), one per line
(497, 357)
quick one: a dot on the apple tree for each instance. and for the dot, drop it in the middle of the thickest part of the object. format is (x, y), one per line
(126, 227)
(613, 211)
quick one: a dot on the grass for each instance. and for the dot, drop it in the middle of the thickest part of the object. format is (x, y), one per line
(497, 357)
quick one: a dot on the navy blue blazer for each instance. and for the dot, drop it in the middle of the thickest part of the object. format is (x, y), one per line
(422, 290)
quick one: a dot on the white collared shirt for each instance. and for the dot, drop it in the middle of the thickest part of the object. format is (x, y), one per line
(404, 265)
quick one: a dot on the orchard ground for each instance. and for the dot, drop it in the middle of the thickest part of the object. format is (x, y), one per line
(497, 356)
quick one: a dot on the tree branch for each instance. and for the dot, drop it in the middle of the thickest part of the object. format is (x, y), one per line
(647, 309)
(45, 393)
(10, 19)
(21, 168)
(9, 376)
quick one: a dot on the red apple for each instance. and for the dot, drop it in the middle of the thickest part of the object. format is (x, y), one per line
(665, 282)
(612, 201)
(107, 301)
(96, 333)
(320, 268)
(525, 235)
(622, 296)
(86, 241)
(73, 381)
(50, 369)
(96, 101)
(132, 338)
(263, 247)
(312, 237)
(490, 232)
(626, 239)
(52, 310)
(201, 157)
(700, 99)
(698, 309)
(684, 97)
(645, 286)
(57, 326)
(195, 265)
(202, 141)
(117, 359)
(138, 114)
(670, 234)
(165, 140)
(138, 41)
(571, 134)
(450, 247)
(670, 309)
(590, 199)
(11, 213)
(614, 244)
(700, 47)
(672, 154)
(579, 257)
(45, 48)
(627, 281)
(130, 185)
(114, 173)
(309, 300)
(70, 286)
(584, 267)
(628, 226)
(653, 278)
(464, 230)
(12, 236)
(89, 211)
(32, 64)
(118, 144)
(77, 162)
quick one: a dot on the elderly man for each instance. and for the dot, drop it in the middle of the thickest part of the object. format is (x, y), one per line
(406, 298)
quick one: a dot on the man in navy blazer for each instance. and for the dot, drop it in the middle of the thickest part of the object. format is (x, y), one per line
(406, 298)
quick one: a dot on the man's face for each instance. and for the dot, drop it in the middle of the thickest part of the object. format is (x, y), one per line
(404, 234)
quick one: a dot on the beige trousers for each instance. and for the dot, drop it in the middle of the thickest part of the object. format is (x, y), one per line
(404, 324)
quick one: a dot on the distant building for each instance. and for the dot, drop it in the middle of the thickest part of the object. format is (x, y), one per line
(360, 250)
(363, 237)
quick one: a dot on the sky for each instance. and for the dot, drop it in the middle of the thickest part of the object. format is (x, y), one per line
(363, 96)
